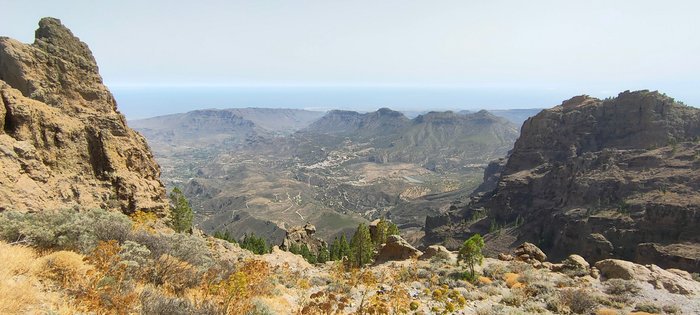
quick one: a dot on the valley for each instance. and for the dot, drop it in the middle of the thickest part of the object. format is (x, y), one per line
(244, 173)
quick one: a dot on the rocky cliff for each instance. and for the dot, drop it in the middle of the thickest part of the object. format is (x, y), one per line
(62, 142)
(602, 178)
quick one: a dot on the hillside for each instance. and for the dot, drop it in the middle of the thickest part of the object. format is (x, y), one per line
(602, 178)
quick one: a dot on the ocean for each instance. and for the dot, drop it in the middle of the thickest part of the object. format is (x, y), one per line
(144, 102)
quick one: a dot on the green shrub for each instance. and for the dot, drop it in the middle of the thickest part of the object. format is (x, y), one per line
(64, 229)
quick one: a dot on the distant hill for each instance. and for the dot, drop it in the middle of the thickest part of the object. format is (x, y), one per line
(517, 116)
(432, 139)
(223, 126)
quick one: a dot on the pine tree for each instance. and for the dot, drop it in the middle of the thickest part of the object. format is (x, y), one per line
(343, 248)
(307, 254)
(335, 250)
(255, 244)
(323, 254)
(392, 229)
(180, 212)
(361, 247)
(470, 253)
(379, 236)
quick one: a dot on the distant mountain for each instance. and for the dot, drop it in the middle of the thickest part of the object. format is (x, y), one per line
(517, 116)
(223, 126)
(354, 124)
(432, 139)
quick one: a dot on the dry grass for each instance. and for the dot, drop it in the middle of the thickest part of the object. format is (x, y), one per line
(18, 288)
(606, 311)
(63, 267)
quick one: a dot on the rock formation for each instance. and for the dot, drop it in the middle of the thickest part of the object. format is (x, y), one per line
(601, 178)
(396, 248)
(303, 235)
(62, 142)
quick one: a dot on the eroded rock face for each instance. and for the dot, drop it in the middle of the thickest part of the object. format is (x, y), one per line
(599, 178)
(63, 143)
(303, 235)
(396, 248)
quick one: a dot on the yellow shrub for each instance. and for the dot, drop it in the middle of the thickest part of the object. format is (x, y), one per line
(485, 280)
(144, 220)
(62, 267)
(606, 311)
(511, 278)
(517, 285)
(18, 290)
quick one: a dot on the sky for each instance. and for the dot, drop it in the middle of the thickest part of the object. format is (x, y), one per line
(522, 53)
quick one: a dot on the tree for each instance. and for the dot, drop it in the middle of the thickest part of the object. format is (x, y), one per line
(323, 254)
(470, 253)
(307, 254)
(343, 248)
(361, 247)
(384, 229)
(335, 250)
(226, 236)
(255, 244)
(392, 229)
(180, 212)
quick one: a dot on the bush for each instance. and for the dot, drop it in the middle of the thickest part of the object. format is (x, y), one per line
(185, 247)
(62, 267)
(621, 287)
(64, 229)
(648, 308)
(579, 301)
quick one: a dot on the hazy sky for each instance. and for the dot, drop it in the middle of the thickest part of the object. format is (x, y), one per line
(575, 47)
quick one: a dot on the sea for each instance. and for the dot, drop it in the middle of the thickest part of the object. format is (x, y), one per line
(149, 101)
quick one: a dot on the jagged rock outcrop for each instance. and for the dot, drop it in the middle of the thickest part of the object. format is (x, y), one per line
(303, 235)
(599, 178)
(396, 248)
(437, 251)
(62, 142)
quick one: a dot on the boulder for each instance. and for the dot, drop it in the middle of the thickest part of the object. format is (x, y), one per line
(527, 251)
(436, 250)
(673, 281)
(396, 248)
(575, 265)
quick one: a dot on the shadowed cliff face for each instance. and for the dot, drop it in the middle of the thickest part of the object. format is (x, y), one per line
(63, 143)
(612, 178)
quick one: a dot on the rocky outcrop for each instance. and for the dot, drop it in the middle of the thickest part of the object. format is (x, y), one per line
(63, 143)
(437, 251)
(303, 235)
(396, 248)
(674, 281)
(528, 252)
(599, 178)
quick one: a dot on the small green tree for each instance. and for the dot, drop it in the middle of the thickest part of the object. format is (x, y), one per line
(180, 212)
(392, 229)
(323, 254)
(307, 254)
(361, 247)
(255, 244)
(343, 247)
(226, 236)
(335, 250)
(470, 253)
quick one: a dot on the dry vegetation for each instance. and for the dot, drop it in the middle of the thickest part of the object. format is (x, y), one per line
(136, 266)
